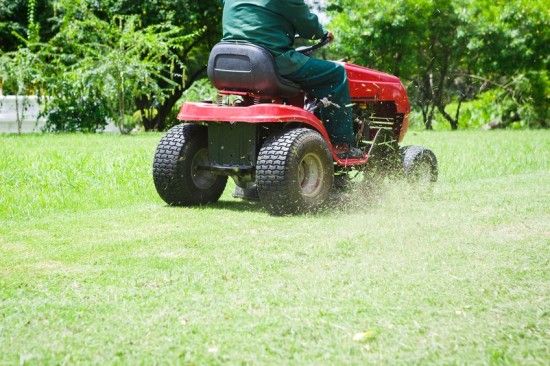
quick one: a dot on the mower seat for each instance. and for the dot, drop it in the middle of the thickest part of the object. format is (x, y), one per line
(244, 67)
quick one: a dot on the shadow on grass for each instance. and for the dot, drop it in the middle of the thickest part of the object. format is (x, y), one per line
(239, 206)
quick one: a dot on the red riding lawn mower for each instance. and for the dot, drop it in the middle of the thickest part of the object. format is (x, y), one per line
(263, 132)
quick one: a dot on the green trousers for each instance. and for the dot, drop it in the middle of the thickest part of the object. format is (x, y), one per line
(325, 79)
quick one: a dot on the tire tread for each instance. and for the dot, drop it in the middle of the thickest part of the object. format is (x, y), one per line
(273, 175)
(170, 158)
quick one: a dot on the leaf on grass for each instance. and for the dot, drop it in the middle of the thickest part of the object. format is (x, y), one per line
(366, 336)
(183, 321)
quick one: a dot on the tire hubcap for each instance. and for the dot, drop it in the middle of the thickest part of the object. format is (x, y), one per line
(310, 175)
(203, 179)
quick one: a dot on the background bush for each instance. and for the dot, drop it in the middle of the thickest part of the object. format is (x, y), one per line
(136, 56)
(450, 52)
(77, 113)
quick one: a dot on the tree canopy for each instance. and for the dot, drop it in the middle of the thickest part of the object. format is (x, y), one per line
(123, 59)
(129, 56)
(454, 50)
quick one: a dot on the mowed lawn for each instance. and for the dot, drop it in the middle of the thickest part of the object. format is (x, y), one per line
(94, 268)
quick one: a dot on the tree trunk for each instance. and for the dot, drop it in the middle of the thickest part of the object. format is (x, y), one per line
(424, 110)
(429, 121)
(453, 122)
(428, 96)
(158, 121)
(18, 117)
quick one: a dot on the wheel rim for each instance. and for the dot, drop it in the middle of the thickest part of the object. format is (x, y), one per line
(203, 179)
(310, 175)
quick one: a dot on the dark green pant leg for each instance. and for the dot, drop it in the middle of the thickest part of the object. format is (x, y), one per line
(322, 79)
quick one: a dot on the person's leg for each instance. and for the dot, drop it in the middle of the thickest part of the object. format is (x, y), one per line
(326, 79)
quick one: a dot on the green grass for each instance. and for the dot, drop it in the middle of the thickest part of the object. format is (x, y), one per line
(94, 268)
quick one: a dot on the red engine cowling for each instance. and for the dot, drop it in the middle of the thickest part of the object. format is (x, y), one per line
(367, 85)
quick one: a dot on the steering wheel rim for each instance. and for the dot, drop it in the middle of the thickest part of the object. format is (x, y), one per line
(308, 50)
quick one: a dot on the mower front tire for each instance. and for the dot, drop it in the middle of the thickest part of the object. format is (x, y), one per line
(420, 167)
(177, 175)
(294, 172)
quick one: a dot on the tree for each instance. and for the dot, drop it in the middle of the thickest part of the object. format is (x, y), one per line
(202, 18)
(508, 51)
(20, 71)
(91, 31)
(448, 50)
(18, 18)
(118, 64)
(417, 40)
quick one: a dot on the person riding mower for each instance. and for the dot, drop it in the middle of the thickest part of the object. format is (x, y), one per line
(274, 25)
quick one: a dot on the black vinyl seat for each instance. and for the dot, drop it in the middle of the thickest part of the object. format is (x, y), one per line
(244, 67)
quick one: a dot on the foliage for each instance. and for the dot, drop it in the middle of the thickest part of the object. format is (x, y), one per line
(198, 18)
(24, 19)
(135, 55)
(201, 90)
(416, 40)
(33, 32)
(499, 107)
(452, 50)
(20, 73)
(507, 36)
(120, 63)
(77, 110)
(508, 49)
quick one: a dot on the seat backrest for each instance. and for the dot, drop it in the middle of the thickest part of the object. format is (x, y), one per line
(245, 67)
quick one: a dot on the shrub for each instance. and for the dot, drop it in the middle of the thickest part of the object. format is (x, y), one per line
(84, 113)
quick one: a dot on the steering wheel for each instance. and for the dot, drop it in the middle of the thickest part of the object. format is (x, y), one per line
(308, 50)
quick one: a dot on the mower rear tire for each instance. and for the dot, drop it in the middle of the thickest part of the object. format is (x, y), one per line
(176, 173)
(419, 166)
(294, 172)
